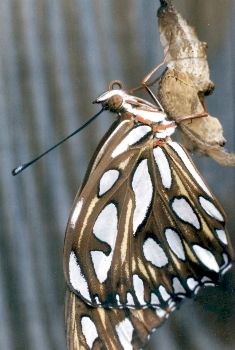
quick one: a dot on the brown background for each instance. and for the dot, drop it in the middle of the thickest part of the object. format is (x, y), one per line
(56, 56)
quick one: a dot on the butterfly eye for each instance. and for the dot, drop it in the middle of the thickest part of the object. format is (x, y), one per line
(114, 103)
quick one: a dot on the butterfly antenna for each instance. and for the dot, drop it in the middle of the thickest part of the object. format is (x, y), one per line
(22, 167)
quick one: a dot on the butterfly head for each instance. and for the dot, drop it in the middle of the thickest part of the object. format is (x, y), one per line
(112, 100)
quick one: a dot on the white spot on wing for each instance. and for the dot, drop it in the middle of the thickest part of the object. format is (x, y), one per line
(154, 299)
(89, 330)
(97, 300)
(130, 300)
(77, 280)
(125, 332)
(154, 253)
(186, 160)
(165, 295)
(160, 312)
(101, 263)
(175, 243)
(178, 288)
(226, 265)
(226, 269)
(210, 209)
(143, 190)
(222, 236)
(185, 212)
(133, 137)
(107, 181)
(105, 229)
(163, 167)
(192, 283)
(76, 212)
(139, 289)
(206, 257)
(207, 281)
(226, 260)
(118, 300)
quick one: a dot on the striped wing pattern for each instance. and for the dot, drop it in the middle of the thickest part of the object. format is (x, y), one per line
(144, 233)
(109, 329)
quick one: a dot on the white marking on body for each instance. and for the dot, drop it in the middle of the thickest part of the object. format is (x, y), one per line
(76, 277)
(125, 332)
(107, 181)
(154, 253)
(206, 257)
(106, 95)
(89, 330)
(210, 209)
(105, 229)
(163, 166)
(138, 286)
(165, 295)
(187, 162)
(130, 300)
(222, 236)
(168, 131)
(132, 137)
(154, 299)
(143, 190)
(178, 288)
(192, 283)
(185, 212)
(76, 212)
(155, 117)
(175, 243)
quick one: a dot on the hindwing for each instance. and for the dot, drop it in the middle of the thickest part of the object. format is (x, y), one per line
(109, 329)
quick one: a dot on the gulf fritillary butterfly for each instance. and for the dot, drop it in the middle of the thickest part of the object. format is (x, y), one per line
(144, 233)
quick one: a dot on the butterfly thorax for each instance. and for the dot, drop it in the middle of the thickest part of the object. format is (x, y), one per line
(137, 110)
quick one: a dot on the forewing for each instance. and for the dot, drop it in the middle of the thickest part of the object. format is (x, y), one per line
(98, 227)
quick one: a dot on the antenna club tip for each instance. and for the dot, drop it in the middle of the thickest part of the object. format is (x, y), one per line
(17, 170)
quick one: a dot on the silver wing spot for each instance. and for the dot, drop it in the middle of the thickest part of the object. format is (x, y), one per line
(143, 190)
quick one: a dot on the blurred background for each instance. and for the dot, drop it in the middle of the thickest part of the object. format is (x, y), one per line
(56, 56)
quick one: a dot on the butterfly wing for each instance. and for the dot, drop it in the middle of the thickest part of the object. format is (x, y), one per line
(188, 223)
(95, 233)
(108, 329)
(148, 231)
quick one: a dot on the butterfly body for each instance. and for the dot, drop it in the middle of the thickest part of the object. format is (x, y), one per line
(145, 230)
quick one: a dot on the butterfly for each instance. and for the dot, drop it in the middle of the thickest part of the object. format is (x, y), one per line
(144, 232)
